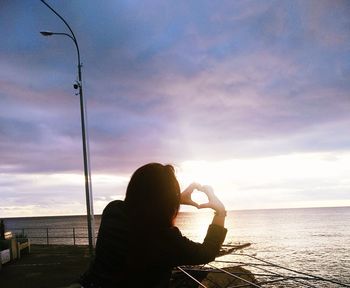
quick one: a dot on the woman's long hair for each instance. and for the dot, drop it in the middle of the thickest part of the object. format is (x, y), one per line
(153, 196)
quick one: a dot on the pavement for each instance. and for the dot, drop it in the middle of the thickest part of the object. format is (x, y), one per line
(47, 266)
(59, 266)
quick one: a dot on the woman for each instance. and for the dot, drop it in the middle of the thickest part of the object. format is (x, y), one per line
(138, 244)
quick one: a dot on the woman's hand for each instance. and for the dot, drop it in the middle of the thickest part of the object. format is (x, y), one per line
(216, 204)
(213, 201)
(186, 195)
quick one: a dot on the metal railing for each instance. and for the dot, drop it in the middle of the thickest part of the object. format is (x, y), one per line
(266, 274)
(50, 235)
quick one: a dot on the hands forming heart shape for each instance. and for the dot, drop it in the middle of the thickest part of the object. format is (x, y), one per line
(213, 201)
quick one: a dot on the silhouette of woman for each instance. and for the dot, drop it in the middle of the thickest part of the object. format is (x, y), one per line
(138, 244)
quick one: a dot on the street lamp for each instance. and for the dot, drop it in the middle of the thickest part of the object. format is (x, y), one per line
(87, 173)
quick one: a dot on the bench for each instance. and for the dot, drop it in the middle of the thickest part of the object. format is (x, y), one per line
(20, 244)
(25, 246)
(16, 245)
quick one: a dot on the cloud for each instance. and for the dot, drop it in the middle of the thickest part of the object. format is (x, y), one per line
(172, 82)
(328, 22)
(63, 193)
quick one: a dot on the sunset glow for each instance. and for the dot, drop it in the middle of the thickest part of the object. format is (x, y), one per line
(273, 182)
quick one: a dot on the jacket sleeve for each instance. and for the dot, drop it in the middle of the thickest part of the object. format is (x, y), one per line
(182, 251)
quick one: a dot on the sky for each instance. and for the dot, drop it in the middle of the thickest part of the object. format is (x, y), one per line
(251, 97)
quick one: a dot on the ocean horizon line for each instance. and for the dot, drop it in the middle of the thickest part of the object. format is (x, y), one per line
(186, 212)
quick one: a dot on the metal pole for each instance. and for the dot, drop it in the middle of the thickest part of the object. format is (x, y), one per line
(85, 140)
(88, 191)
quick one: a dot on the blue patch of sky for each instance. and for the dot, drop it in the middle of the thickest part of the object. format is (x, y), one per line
(165, 40)
(223, 50)
(343, 73)
(123, 126)
(109, 128)
(320, 67)
(21, 24)
(110, 28)
(13, 129)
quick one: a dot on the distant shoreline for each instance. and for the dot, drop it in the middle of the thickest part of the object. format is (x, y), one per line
(185, 212)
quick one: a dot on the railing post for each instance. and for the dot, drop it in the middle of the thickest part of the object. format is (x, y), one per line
(47, 236)
(23, 232)
(74, 235)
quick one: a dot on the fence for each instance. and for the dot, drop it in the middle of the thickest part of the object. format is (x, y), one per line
(50, 235)
(266, 274)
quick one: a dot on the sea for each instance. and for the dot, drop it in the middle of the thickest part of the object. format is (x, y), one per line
(311, 240)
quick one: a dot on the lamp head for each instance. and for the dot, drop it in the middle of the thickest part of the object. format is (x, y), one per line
(46, 33)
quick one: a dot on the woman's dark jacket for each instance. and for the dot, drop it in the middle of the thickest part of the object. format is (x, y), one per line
(130, 256)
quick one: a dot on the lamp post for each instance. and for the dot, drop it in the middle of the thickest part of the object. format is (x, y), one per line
(87, 173)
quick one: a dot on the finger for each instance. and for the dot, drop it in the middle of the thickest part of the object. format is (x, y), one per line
(194, 204)
(205, 205)
(207, 189)
(191, 203)
(195, 186)
(190, 188)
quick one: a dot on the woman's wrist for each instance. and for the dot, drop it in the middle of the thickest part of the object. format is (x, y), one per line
(220, 212)
(219, 209)
(219, 216)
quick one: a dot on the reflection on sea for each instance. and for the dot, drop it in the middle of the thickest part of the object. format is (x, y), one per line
(194, 225)
(314, 240)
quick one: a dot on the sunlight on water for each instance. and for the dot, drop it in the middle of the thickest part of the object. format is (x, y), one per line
(194, 225)
(310, 240)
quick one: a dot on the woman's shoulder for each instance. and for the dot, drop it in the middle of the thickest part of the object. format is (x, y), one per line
(116, 206)
(115, 203)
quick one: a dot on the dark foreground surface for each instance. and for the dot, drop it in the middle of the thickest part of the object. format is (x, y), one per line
(46, 266)
(56, 266)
